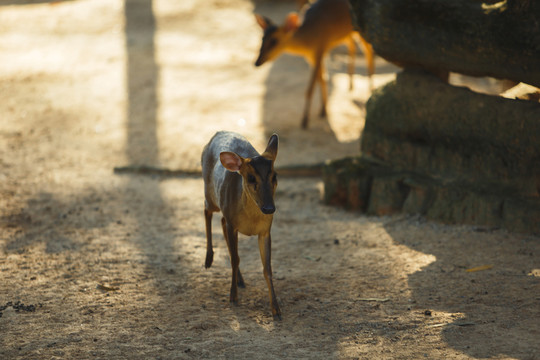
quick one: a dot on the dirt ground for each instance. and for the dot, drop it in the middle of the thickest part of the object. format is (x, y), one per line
(95, 264)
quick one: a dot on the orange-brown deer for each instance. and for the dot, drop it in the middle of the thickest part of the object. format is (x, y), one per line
(325, 25)
(240, 182)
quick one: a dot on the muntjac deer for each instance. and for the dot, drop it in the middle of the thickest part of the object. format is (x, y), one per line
(241, 183)
(326, 24)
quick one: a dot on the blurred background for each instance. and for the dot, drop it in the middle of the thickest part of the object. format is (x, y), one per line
(149, 82)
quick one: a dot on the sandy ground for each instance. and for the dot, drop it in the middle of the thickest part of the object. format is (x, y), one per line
(95, 264)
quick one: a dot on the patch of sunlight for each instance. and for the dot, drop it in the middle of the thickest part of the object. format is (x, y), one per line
(421, 260)
(534, 272)
(374, 239)
(498, 7)
(482, 85)
(380, 80)
(408, 259)
(346, 108)
(265, 323)
(235, 324)
(163, 7)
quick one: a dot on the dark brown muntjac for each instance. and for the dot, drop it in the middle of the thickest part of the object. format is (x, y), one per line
(326, 24)
(240, 182)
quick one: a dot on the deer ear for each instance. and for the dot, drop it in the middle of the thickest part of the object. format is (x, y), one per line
(231, 161)
(292, 22)
(263, 21)
(272, 147)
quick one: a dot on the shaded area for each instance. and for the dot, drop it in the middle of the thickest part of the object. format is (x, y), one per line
(142, 73)
(416, 158)
(499, 306)
(54, 222)
(142, 147)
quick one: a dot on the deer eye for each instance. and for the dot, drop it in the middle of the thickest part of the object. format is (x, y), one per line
(272, 42)
(251, 179)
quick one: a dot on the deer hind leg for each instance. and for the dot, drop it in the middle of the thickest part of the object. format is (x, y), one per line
(352, 53)
(209, 246)
(322, 78)
(315, 76)
(369, 55)
(265, 248)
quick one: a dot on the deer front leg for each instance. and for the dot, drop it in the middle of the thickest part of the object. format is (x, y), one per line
(209, 247)
(231, 236)
(265, 248)
(322, 79)
(240, 277)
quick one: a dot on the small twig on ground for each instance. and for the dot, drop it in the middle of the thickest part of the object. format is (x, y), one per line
(375, 299)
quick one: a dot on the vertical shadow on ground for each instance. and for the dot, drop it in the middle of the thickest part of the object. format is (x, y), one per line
(142, 147)
(141, 82)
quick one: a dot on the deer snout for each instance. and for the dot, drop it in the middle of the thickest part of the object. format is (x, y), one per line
(261, 59)
(268, 209)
